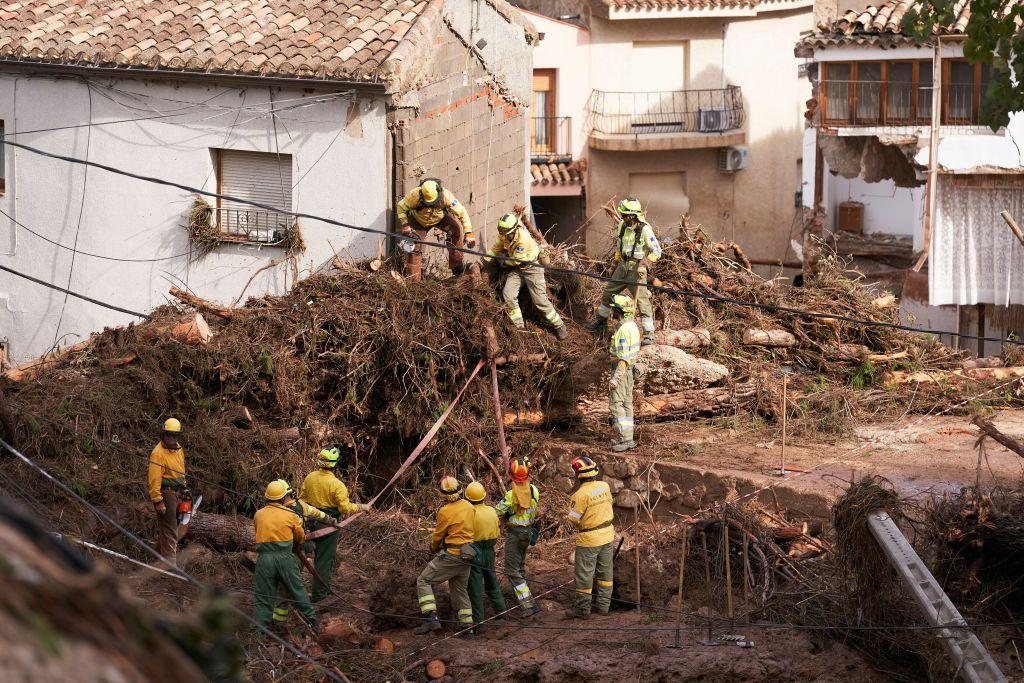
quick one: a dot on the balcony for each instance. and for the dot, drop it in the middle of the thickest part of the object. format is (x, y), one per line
(252, 226)
(679, 119)
(551, 138)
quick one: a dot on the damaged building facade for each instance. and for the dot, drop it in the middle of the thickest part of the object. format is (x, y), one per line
(335, 109)
(928, 228)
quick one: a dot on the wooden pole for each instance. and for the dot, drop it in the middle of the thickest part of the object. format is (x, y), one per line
(1014, 228)
(746, 572)
(498, 417)
(636, 549)
(728, 567)
(782, 462)
(682, 574)
(707, 578)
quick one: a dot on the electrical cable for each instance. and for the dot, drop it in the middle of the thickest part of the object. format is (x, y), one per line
(83, 297)
(510, 259)
(113, 523)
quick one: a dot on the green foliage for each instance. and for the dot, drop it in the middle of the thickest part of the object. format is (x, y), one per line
(992, 38)
(865, 376)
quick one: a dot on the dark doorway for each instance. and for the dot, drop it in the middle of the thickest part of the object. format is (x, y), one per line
(559, 218)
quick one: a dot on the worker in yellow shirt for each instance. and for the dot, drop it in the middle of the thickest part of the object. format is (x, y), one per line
(482, 576)
(452, 540)
(322, 489)
(166, 480)
(278, 532)
(590, 511)
(429, 206)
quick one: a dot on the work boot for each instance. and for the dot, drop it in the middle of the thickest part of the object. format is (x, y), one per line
(574, 613)
(468, 634)
(647, 341)
(479, 629)
(429, 626)
(600, 325)
(624, 446)
(528, 611)
(561, 333)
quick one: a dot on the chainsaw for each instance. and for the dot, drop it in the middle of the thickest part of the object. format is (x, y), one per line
(187, 507)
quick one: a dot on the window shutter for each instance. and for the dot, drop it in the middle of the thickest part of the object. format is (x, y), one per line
(260, 177)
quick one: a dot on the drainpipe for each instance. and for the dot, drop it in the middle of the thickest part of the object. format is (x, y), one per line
(725, 33)
(933, 153)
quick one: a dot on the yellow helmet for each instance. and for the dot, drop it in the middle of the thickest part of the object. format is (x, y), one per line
(508, 223)
(475, 492)
(624, 303)
(630, 206)
(328, 457)
(172, 426)
(430, 191)
(450, 488)
(278, 489)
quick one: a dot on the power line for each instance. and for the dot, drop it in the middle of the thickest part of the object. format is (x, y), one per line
(74, 294)
(510, 259)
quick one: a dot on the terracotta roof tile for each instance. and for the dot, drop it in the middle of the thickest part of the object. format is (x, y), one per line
(330, 39)
(549, 173)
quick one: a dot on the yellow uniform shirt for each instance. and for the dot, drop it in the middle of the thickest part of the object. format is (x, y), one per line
(277, 528)
(324, 490)
(165, 464)
(310, 512)
(485, 523)
(520, 245)
(456, 524)
(637, 243)
(625, 344)
(429, 216)
(591, 507)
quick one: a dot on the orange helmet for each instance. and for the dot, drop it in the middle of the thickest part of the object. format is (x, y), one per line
(519, 469)
(584, 467)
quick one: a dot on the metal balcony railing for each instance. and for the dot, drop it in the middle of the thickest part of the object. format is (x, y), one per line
(246, 224)
(659, 113)
(551, 136)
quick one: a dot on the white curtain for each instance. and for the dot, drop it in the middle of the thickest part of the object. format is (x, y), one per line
(975, 259)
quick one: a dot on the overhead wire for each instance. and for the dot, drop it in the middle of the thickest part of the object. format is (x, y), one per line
(83, 297)
(510, 259)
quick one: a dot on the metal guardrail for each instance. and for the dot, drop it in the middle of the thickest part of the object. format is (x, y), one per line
(246, 224)
(659, 113)
(551, 136)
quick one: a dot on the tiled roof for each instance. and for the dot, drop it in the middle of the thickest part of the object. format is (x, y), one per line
(556, 174)
(680, 4)
(882, 25)
(323, 39)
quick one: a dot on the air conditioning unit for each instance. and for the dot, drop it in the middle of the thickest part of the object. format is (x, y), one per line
(712, 120)
(732, 159)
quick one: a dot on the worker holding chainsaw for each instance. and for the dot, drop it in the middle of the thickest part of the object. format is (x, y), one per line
(515, 254)
(519, 509)
(624, 349)
(452, 541)
(279, 537)
(429, 206)
(636, 249)
(167, 487)
(322, 489)
(590, 511)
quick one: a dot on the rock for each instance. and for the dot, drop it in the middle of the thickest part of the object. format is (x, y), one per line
(664, 369)
(620, 467)
(627, 499)
(671, 491)
(638, 483)
(562, 483)
(614, 484)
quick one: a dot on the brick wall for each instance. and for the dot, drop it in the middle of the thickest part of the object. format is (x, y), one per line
(466, 131)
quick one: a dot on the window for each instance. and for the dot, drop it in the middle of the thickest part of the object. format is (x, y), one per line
(662, 194)
(959, 92)
(836, 88)
(899, 94)
(924, 92)
(3, 163)
(260, 177)
(868, 93)
(542, 125)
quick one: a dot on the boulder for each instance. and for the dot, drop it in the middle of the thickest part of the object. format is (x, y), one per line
(619, 467)
(627, 499)
(614, 484)
(664, 369)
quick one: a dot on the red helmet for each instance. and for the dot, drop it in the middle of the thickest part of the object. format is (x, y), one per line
(584, 467)
(519, 469)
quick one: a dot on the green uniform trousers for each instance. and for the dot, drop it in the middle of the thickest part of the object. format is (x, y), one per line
(533, 278)
(483, 578)
(453, 569)
(517, 542)
(594, 566)
(620, 403)
(276, 568)
(325, 559)
(635, 273)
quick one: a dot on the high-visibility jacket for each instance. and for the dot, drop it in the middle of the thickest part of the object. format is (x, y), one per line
(456, 526)
(166, 470)
(517, 515)
(520, 245)
(429, 216)
(485, 523)
(637, 243)
(322, 489)
(277, 528)
(626, 341)
(307, 511)
(590, 511)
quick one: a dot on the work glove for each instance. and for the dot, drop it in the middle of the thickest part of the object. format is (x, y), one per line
(332, 521)
(470, 240)
(363, 507)
(405, 229)
(160, 507)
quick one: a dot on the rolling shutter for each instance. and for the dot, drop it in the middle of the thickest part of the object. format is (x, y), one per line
(260, 177)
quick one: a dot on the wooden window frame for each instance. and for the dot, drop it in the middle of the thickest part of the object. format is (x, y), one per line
(824, 100)
(551, 107)
(947, 90)
(854, 76)
(912, 109)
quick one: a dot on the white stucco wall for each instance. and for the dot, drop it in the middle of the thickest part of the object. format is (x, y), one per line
(339, 151)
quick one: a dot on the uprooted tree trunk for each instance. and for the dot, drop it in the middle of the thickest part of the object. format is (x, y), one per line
(222, 532)
(989, 429)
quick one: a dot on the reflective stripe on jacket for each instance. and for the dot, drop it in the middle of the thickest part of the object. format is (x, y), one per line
(166, 470)
(277, 528)
(429, 216)
(456, 525)
(323, 489)
(626, 341)
(639, 243)
(589, 507)
(485, 523)
(520, 245)
(508, 507)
